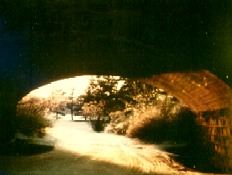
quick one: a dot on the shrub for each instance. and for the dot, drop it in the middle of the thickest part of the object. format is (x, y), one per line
(118, 124)
(30, 120)
(149, 126)
(156, 126)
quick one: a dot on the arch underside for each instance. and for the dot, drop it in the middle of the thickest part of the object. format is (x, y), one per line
(199, 90)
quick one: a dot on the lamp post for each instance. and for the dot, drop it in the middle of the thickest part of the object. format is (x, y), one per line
(72, 108)
(72, 104)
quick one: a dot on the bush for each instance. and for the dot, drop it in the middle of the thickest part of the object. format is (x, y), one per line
(154, 126)
(30, 120)
(118, 124)
(148, 126)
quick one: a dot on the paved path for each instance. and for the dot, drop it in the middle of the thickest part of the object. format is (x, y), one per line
(79, 150)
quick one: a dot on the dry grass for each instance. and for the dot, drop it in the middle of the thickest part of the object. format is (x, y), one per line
(156, 126)
(30, 121)
(146, 125)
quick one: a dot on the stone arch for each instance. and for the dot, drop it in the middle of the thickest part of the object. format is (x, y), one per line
(200, 90)
(210, 99)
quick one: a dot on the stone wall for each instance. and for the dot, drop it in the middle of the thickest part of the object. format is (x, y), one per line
(217, 133)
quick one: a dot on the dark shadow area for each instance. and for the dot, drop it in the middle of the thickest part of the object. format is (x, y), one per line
(184, 138)
(62, 162)
(24, 148)
(80, 121)
(196, 159)
(196, 154)
(98, 125)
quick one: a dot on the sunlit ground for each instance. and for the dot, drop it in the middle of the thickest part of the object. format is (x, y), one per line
(78, 137)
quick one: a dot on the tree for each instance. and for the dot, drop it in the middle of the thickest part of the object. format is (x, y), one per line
(112, 94)
(57, 99)
(101, 96)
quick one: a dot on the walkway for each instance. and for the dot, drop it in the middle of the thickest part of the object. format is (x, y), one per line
(81, 151)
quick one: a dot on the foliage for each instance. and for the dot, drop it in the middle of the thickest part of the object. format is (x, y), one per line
(101, 97)
(153, 125)
(92, 110)
(104, 91)
(138, 110)
(133, 98)
(56, 99)
(30, 118)
(119, 123)
(138, 97)
(151, 115)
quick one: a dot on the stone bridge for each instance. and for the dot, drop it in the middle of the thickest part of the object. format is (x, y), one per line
(183, 47)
